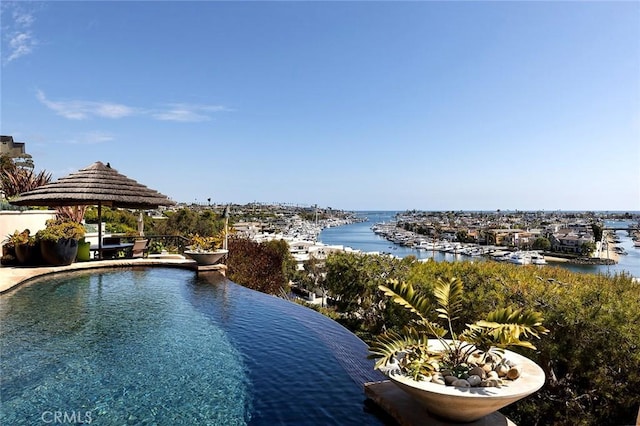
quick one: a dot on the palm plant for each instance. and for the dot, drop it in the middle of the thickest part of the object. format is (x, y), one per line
(410, 348)
(16, 180)
(73, 213)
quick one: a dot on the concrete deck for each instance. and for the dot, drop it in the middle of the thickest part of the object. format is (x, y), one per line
(408, 412)
(12, 276)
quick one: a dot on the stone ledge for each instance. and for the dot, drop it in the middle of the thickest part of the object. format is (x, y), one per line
(11, 277)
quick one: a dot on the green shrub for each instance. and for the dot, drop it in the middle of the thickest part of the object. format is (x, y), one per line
(156, 247)
(61, 229)
(590, 357)
(259, 266)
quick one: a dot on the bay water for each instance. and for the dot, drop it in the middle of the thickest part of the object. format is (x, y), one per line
(360, 236)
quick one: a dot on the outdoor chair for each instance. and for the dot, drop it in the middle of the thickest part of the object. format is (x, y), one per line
(139, 249)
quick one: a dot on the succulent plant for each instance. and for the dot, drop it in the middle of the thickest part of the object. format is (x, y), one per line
(57, 229)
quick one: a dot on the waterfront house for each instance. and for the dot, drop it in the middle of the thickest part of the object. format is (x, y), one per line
(570, 242)
(501, 237)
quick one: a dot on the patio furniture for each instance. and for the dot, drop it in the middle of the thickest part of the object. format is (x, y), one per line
(96, 184)
(109, 250)
(139, 249)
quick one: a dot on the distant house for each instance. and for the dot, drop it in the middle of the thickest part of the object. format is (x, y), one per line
(501, 237)
(11, 148)
(247, 229)
(304, 250)
(569, 242)
(300, 247)
(321, 251)
(519, 238)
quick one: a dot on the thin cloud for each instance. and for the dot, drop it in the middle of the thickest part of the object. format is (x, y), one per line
(20, 45)
(187, 112)
(81, 110)
(19, 37)
(91, 138)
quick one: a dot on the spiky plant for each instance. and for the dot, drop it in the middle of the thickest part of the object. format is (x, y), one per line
(502, 328)
(16, 180)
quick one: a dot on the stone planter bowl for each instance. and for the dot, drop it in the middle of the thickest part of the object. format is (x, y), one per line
(470, 404)
(206, 258)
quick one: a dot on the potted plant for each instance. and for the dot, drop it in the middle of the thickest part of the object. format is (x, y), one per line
(59, 241)
(84, 250)
(25, 247)
(461, 376)
(206, 250)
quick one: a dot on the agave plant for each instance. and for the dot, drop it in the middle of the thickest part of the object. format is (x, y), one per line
(410, 349)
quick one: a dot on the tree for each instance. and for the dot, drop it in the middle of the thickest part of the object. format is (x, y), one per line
(352, 280)
(598, 230)
(116, 220)
(587, 249)
(462, 235)
(313, 278)
(187, 221)
(258, 266)
(542, 243)
(281, 249)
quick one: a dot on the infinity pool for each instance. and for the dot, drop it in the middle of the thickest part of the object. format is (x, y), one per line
(164, 346)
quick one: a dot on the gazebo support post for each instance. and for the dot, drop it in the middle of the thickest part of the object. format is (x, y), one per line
(99, 231)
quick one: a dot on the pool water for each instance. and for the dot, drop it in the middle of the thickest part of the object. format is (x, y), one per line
(163, 346)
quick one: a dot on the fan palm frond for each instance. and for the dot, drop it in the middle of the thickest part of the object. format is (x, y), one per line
(404, 295)
(388, 344)
(504, 327)
(449, 297)
(408, 351)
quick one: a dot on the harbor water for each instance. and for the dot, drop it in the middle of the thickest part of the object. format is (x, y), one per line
(359, 236)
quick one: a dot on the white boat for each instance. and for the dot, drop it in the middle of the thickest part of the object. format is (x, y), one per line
(519, 258)
(538, 259)
(423, 245)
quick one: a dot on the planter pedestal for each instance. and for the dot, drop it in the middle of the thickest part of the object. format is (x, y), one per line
(407, 411)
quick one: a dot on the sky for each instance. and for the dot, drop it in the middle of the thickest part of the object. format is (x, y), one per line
(349, 105)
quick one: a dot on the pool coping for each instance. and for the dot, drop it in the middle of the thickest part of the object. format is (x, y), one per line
(11, 277)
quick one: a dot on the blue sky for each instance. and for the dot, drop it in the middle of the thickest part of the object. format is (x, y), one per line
(352, 105)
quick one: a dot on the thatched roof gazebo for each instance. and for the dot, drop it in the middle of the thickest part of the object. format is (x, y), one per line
(98, 185)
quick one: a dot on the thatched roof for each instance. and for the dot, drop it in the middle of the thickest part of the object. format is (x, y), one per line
(96, 184)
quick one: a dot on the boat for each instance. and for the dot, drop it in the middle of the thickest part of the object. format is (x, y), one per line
(519, 258)
(538, 259)
(423, 245)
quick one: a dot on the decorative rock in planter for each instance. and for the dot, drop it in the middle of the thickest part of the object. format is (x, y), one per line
(59, 253)
(206, 258)
(467, 404)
